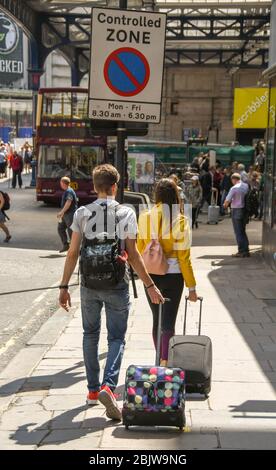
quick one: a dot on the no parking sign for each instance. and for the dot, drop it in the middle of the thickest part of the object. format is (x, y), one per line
(127, 60)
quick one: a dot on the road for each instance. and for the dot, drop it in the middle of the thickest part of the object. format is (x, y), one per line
(30, 260)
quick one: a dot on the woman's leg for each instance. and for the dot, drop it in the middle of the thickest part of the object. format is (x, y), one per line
(5, 229)
(173, 290)
(171, 286)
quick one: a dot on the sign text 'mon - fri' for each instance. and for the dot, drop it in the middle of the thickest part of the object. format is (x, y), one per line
(142, 34)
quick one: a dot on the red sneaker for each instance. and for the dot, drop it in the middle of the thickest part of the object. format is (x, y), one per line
(92, 398)
(107, 398)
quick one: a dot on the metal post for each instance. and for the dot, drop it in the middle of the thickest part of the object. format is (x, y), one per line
(121, 136)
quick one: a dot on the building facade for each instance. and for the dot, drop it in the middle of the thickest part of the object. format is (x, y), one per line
(201, 101)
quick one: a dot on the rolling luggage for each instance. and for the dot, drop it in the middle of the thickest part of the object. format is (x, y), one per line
(154, 395)
(194, 355)
(213, 211)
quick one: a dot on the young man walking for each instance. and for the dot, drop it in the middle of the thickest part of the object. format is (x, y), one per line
(86, 229)
(236, 197)
(69, 206)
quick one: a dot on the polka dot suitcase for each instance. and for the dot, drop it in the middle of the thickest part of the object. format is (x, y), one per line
(154, 395)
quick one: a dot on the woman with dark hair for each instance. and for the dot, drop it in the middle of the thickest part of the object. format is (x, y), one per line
(166, 224)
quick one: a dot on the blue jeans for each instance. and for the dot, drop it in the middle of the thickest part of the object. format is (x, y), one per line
(116, 302)
(239, 225)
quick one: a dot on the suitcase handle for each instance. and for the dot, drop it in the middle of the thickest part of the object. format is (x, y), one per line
(159, 329)
(200, 314)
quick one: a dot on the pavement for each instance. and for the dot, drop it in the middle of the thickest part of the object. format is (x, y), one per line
(43, 389)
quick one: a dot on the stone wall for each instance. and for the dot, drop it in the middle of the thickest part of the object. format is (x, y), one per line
(200, 98)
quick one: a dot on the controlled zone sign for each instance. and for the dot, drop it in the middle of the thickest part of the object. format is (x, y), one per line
(127, 61)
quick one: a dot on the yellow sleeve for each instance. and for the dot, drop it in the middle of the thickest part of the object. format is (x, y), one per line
(142, 232)
(184, 260)
(182, 246)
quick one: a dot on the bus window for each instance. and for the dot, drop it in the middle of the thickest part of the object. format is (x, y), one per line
(66, 105)
(76, 162)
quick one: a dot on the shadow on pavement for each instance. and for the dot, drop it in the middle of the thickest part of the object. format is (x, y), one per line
(252, 315)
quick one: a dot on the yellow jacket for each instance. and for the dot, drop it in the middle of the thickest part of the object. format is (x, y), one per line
(175, 241)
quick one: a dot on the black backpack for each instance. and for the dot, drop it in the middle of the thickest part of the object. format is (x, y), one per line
(7, 203)
(101, 263)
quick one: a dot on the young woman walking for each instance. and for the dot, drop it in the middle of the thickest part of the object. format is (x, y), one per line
(166, 229)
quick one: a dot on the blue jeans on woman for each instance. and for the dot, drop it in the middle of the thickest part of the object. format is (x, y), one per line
(116, 302)
(239, 225)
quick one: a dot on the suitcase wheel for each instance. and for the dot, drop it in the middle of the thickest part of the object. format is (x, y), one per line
(126, 426)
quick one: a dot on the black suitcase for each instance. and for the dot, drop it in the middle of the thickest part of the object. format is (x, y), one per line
(194, 355)
(154, 395)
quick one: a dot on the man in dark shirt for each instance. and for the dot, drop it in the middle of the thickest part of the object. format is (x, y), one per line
(225, 186)
(68, 208)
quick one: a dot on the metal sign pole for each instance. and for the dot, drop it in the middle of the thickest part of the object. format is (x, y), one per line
(121, 136)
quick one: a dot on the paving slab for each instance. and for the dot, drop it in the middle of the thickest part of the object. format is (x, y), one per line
(240, 421)
(72, 439)
(21, 440)
(24, 362)
(263, 289)
(27, 418)
(251, 440)
(229, 396)
(156, 438)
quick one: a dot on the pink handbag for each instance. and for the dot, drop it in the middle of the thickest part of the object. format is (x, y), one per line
(154, 258)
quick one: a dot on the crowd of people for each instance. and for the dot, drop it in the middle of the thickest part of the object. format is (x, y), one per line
(17, 161)
(203, 183)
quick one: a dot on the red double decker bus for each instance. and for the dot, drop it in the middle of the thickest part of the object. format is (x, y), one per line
(65, 144)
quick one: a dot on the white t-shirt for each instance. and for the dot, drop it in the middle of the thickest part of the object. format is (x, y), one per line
(174, 267)
(90, 219)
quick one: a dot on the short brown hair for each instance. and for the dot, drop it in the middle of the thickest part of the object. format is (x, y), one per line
(236, 176)
(104, 176)
(66, 180)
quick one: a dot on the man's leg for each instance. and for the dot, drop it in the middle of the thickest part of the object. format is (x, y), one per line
(62, 233)
(19, 179)
(245, 241)
(237, 228)
(91, 308)
(13, 179)
(117, 311)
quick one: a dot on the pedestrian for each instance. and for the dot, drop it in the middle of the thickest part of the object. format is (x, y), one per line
(225, 187)
(109, 291)
(260, 160)
(206, 181)
(181, 189)
(242, 172)
(69, 206)
(236, 197)
(217, 178)
(16, 164)
(27, 157)
(261, 196)
(194, 196)
(165, 223)
(3, 218)
(3, 160)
